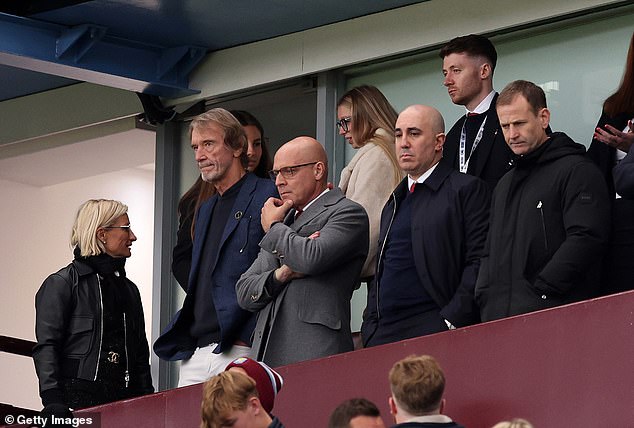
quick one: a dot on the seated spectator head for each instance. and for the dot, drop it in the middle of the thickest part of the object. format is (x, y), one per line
(356, 413)
(231, 399)
(267, 381)
(514, 423)
(417, 384)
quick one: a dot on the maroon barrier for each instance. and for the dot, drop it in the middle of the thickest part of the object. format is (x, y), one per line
(571, 366)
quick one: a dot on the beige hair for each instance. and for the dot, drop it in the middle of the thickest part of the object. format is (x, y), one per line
(417, 384)
(92, 215)
(235, 138)
(514, 423)
(223, 394)
(371, 111)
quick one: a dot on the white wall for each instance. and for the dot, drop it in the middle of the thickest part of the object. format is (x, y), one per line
(35, 225)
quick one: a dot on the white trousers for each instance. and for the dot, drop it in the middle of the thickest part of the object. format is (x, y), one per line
(205, 364)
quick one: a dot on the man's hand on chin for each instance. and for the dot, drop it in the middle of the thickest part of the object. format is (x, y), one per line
(274, 210)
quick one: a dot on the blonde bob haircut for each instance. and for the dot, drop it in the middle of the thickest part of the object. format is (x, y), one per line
(92, 215)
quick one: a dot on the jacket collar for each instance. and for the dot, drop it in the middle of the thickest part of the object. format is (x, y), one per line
(328, 199)
(83, 268)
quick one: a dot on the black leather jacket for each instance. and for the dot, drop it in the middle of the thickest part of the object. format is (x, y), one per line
(68, 327)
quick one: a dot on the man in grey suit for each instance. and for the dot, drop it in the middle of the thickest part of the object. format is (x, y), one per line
(310, 260)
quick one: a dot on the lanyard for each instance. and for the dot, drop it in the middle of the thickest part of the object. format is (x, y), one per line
(464, 162)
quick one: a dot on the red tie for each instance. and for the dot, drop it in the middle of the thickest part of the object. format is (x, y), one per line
(471, 114)
(298, 212)
(411, 189)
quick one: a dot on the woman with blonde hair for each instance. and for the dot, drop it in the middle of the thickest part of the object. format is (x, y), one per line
(91, 345)
(366, 121)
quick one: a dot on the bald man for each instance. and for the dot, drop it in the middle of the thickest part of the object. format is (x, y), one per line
(310, 260)
(433, 229)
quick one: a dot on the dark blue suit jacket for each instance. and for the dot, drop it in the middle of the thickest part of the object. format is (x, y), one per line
(238, 249)
(450, 214)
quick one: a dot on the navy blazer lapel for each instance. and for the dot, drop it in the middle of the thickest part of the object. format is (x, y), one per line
(239, 208)
(204, 219)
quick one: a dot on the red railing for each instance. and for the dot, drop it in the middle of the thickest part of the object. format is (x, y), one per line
(571, 366)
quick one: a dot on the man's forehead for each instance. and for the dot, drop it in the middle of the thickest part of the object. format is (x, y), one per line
(411, 118)
(460, 58)
(207, 128)
(288, 155)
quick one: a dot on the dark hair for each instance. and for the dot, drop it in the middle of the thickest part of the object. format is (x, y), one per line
(622, 101)
(349, 409)
(472, 45)
(534, 94)
(245, 118)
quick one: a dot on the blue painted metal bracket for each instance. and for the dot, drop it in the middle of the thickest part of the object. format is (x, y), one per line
(74, 42)
(87, 53)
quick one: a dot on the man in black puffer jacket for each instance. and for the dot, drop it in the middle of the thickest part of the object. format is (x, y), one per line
(550, 216)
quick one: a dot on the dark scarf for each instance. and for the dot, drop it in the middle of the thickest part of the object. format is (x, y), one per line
(112, 272)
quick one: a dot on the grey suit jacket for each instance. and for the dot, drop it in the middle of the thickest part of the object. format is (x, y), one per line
(307, 317)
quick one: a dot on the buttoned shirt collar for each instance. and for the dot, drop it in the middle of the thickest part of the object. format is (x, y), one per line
(422, 178)
(484, 105)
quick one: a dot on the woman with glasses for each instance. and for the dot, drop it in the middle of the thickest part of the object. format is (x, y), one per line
(366, 121)
(259, 163)
(91, 345)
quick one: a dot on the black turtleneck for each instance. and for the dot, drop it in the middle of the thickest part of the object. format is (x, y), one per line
(111, 270)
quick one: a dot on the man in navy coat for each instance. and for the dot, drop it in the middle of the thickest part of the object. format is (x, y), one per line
(211, 330)
(432, 235)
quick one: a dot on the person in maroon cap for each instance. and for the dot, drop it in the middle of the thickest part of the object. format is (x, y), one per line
(231, 399)
(268, 382)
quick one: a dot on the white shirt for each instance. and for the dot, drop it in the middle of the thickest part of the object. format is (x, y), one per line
(422, 178)
(484, 105)
(314, 199)
(437, 419)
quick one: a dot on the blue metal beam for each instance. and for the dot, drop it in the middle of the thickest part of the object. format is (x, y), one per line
(87, 53)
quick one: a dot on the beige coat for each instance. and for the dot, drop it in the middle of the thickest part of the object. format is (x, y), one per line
(369, 180)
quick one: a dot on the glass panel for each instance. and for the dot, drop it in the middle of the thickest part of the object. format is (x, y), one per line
(578, 66)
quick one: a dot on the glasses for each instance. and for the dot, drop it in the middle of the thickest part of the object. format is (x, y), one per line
(125, 228)
(288, 171)
(344, 123)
